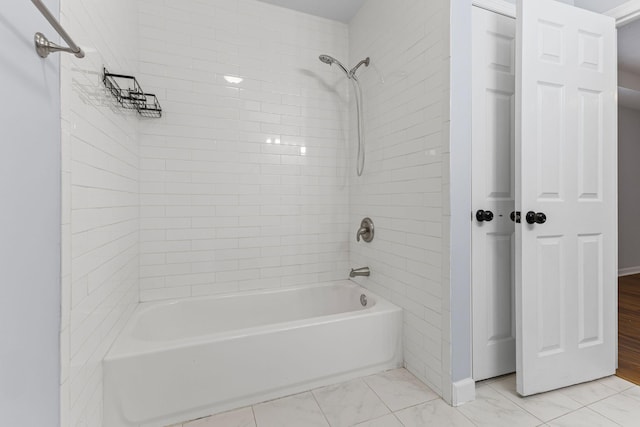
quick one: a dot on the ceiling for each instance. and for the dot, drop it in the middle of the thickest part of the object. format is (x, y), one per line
(338, 10)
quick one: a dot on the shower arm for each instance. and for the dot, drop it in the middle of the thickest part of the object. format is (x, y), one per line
(352, 73)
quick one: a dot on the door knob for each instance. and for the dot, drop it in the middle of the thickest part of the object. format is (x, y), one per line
(535, 218)
(482, 216)
(515, 216)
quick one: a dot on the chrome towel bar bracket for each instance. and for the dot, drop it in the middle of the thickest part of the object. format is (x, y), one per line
(43, 46)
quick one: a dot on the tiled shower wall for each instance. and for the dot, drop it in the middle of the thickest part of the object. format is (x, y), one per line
(100, 206)
(243, 183)
(246, 184)
(402, 189)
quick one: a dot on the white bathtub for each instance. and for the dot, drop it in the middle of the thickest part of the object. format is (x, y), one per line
(184, 359)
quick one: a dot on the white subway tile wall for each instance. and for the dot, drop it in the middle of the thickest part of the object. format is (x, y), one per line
(244, 181)
(248, 180)
(100, 206)
(403, 186)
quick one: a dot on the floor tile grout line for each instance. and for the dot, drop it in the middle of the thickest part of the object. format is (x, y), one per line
(410, 406)
(253, 412)
(376, 394)
(569, 397)
(600, 413)
(521, 407)
(570, 412)
(563, 415)
(603, 415)
(501, 392)
(380, 417)
(457, 409)
(319, 407)
(595, 401)
(604, 398)
(397, 418)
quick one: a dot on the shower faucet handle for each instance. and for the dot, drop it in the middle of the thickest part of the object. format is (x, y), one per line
(365, 231)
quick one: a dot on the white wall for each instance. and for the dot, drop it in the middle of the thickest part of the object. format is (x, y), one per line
(459, 336)
(30, 217)
(628, 200)
(100, 201)
(243, 185)
(404, 188)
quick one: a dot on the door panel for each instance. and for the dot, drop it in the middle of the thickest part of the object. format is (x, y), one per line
(499, 145)
(550, 304)
(493, 189)
(566, 148)
(500, 291)
(551, 133)
(590, 291)
(590, 145)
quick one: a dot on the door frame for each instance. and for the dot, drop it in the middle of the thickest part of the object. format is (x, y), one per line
(623, 14)
(459, 387)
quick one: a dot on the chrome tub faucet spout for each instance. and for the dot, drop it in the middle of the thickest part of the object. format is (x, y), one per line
(363, 271)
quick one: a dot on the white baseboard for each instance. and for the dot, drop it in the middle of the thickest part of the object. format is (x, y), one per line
(463, 391)
(628, 271)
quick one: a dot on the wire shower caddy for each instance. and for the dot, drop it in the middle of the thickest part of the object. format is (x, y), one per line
(130, 95)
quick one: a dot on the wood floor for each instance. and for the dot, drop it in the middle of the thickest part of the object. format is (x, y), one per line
(629, 328)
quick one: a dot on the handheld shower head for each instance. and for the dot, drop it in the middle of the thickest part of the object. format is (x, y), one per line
(331, 60)
(326, 59)
(351, 75)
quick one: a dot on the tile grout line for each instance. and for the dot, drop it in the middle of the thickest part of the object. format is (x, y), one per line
(598, 401)
(376, 394)
(381, 400)
(319, 407)
(588, 406)
(399, 420)
(462, 413)
(522, 408)
(253, 412)
(410, 406)
(569, 397)
(392, 412)
(499, 392)
(602, 415)
(572, 411)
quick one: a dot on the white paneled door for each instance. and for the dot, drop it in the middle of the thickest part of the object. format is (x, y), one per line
(566, 190)
(493, 195)
(544, 290)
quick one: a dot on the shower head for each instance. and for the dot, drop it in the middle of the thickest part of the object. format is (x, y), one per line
(365, 62)
(331, 60)
(350, 73)
(327, 59)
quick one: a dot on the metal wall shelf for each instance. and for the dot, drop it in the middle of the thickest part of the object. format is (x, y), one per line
(130, 95)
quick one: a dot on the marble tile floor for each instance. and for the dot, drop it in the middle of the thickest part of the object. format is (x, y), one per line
(397, 399)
